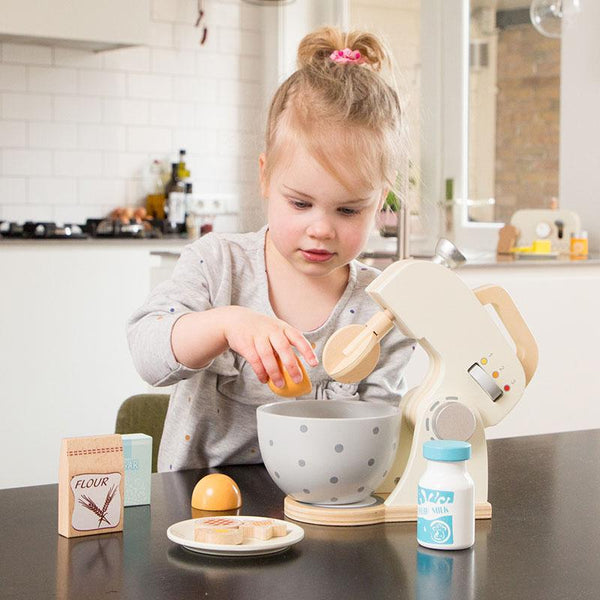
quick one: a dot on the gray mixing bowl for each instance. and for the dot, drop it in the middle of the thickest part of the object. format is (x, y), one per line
(328, 451)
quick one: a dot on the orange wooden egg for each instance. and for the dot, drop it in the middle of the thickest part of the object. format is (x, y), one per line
(290, 388)
(216, 492)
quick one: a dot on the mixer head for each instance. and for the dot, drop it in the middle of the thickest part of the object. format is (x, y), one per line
(447, 254)
(352, 352)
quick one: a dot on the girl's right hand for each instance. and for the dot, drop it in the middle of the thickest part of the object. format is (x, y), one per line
(258, 337)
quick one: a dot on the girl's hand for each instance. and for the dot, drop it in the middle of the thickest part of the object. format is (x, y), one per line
(257, 337)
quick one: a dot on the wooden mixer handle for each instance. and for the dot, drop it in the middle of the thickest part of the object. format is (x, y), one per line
(527, 350)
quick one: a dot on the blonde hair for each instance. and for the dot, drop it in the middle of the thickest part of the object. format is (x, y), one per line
(339, 111)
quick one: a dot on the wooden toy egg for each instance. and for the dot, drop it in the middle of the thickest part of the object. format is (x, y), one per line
(290, 388)
(216, 492)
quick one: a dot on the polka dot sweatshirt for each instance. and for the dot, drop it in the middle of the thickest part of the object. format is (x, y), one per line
(211, 420)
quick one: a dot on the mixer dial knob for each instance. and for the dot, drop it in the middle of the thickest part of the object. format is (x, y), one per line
(453, 421)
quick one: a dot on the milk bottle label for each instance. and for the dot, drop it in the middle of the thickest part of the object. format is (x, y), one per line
(434, 516)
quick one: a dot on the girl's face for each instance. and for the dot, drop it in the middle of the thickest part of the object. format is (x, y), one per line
(315, 223)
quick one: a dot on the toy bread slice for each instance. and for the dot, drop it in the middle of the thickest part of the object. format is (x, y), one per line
(260, 530)
(219, 535)
(264, 529)
(218, 530)
(290, 388)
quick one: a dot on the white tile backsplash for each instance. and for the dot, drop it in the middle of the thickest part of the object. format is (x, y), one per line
(150, 86)
(53, 190)
(102, 83)
(12, 189)
(78, 109)
(100, 191)
(78, 129)
(26, 162)
(125, 112)
(56, 80)
(102, 137)
(13, 78)
(14, 134)
(172, 114)
(78, 164)
(149, 139)
(176, 62)
(26, 106)
(52, 135)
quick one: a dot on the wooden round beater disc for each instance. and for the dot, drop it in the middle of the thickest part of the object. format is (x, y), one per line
(333, 355)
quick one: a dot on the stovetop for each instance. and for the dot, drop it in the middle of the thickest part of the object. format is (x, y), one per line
(96, 228)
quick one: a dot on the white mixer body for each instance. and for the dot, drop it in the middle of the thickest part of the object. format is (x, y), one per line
(470, 357)
(474, 379)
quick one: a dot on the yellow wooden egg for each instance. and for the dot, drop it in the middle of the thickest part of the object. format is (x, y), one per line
(216, 492)
(290, 388)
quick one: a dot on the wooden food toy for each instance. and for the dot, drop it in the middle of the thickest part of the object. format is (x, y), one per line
(475, 378)
(290, 388)
(507, 239)
(216, 492)
(263, 530)
(90, 485)
(218, 530)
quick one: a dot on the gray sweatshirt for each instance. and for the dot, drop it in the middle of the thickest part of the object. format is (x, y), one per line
(211, 419)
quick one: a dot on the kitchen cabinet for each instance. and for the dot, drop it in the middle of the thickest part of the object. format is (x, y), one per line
(84, 24)
(65, 366)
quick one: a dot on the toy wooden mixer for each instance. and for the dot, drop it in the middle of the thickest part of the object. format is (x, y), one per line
(475, 376)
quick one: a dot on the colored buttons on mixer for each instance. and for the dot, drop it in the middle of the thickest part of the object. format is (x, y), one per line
(487, 384)
(507, 388)
(495, 374)
(484, 361)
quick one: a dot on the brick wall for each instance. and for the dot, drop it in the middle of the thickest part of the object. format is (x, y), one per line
(527, 137)
(79, 129)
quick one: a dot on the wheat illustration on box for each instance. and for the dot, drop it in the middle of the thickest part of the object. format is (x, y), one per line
(88, 503)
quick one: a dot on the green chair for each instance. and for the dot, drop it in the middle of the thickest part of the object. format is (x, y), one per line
(144, 413)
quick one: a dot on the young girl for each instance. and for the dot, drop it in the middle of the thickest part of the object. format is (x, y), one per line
(235, 301)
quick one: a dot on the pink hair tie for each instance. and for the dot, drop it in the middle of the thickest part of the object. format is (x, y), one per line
(347, 56)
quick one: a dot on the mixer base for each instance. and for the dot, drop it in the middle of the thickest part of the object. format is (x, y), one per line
(370, 515)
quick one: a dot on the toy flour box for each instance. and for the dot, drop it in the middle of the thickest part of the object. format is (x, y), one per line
(90, 485)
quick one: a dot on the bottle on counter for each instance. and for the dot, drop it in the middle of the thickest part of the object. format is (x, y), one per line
(579, 244)
(155, 200)
(182, 171)
(192, 227)
(445, 497)
(175, 199)
(174, 179)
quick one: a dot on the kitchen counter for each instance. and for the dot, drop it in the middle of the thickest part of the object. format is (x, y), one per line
(168, 242)
(543, 541)
(379, 255)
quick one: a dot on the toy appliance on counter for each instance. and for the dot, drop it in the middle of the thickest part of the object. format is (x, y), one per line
(555, 225)
(474, 380)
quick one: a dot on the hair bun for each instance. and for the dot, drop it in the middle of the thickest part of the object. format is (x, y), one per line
(316, 47)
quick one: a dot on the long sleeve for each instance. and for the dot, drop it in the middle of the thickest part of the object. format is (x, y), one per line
(149, 328)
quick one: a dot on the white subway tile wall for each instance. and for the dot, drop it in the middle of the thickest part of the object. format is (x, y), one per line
(79, 130)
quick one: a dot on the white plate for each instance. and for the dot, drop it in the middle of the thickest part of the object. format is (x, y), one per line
(182, 533)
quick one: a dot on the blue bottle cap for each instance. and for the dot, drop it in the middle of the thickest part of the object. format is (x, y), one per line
(447, 450)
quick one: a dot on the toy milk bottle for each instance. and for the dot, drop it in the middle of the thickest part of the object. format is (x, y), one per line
(446, 499)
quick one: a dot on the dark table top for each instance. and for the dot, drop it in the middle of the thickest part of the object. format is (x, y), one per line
(542, 542)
